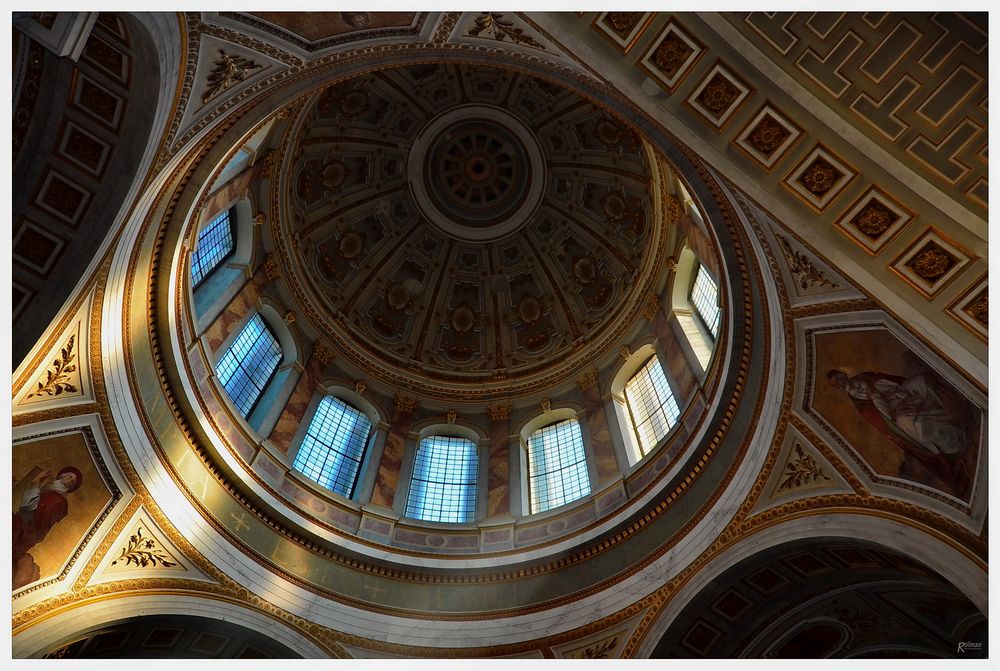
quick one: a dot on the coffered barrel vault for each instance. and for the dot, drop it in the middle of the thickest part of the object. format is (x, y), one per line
(683, 316)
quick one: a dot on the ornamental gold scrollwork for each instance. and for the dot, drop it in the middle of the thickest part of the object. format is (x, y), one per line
(498, 412)
(671, 55)
(405, 403)
(496, 27)
(932, 262)
(323, 354)
(143, 552)
(801, 470)
(768, 135)
(807, 274)
(58, 378)
(978, 309)
(271, 268)
(227, 71)
(587, 380)
(718, 95)
(874, 219)
(651, 308)
(820, 177)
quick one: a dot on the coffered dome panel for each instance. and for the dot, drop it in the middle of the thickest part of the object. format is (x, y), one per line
(466, 223)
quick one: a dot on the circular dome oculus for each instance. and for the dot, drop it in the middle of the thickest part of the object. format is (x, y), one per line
(481, 172)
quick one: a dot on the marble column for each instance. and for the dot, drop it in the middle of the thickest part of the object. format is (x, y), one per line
(700, 243)
(387, 480)
(606, 465)
(683, 380)
(498, 481)
(294, 411)
(242, 305)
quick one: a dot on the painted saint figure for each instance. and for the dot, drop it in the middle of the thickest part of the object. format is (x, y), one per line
(43, 504)
(915, 413)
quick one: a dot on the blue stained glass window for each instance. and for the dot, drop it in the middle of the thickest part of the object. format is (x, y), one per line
(705, 297)
(557, 466)
(651, 403)
(334, 446)
(443, 486)
(215, 243)
(247, 366)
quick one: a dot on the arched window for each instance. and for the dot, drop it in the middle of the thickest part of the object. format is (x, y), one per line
(557, 466)
(443, 487)
(705, 299)
(248, 364)
(651, 405)
(216, 242)
(334, 446)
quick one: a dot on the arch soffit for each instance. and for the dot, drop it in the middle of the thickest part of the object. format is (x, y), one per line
(967, 575)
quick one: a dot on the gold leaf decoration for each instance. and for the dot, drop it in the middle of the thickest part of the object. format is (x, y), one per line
(228, 70)
(801, 471)
(499, 412)
(143, 552)
(57, 378)
(808, 275)
(496, 27)
(601, 650)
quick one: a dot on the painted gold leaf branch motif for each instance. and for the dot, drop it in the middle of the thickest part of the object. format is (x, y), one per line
(143, 552)
(802, 471)
(500, 29)
(808, 275)
(601, 650)
(229, 70)
(57, 380)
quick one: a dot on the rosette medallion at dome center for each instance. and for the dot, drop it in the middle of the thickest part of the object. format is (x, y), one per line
(481, 172)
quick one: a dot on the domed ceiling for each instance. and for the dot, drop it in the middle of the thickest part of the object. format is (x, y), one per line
(465, 223)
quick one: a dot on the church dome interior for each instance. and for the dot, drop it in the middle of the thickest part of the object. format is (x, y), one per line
(479, 334)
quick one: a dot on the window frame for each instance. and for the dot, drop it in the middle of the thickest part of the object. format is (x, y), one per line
(531, 429)
(366, 450)
(711, 334)
(232, 215)
(445, 431)
(671, 398)
(228, 347)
